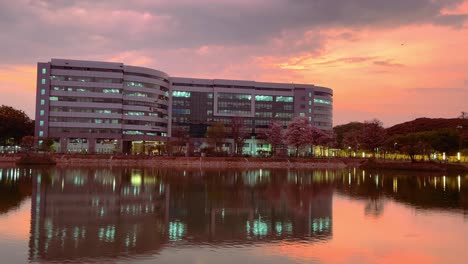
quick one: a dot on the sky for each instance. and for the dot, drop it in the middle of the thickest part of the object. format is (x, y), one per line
(391, 60)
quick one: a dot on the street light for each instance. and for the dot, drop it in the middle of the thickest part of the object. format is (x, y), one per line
(460, 128)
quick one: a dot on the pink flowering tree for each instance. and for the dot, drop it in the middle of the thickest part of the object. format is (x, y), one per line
(275, 136)
(299, 133)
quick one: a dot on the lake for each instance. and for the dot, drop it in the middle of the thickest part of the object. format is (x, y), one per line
(148, 215)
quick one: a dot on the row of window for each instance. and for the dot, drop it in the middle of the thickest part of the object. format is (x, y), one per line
(233, 111)
(138, 132)
(85, 110)
(234, 104)
(144, 85)
(84, 130)
(84, 79)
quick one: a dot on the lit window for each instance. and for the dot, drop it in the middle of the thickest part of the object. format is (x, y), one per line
(322, 101)
(44, 70)
(111, 91)
(264, 98)
(310, 110)
(310, 102)
(42, 102)
(310, 94)
(41, 123)
(210, 95)
(43, 81)
(181, 94)
(53, 98)
(301, 114)
(288, 99)
(42, 91)
(41, 112)
(41, 133)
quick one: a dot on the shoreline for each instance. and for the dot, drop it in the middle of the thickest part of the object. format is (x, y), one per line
(233, 162)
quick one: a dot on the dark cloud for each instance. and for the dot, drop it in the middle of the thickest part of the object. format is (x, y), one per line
(41, 29)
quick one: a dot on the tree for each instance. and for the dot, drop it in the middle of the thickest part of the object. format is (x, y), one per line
(342, 130)
(47, 144)
(275, 136)
(27, 143)
(298, 133)
(181, 138)
(14, 125)
(373, 135)
(351, 140)
(319, 138)
(216, 135)
(463, 115)
(238, 133)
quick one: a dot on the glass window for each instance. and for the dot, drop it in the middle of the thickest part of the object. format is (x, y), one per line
(43, 81)
(310, 94)
(264, 98)
(322, 101)
(234, 96)
(41, 112)
(310, 102)
(44, 70)
(41, 123)
(42, 102)
(41, 133)
(181, 94)
(53, 98)
(42, 91)
(301, 114)
(288, 99)
(310, 110)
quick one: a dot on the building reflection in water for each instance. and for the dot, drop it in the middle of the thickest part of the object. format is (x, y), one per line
(79, 214)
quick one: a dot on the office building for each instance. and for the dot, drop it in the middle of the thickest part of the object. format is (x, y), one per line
(106, 107)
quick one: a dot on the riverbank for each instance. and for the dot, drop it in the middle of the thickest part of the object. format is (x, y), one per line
(66, 160)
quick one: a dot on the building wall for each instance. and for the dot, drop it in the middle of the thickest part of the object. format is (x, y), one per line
(99, 106)
(92, 106)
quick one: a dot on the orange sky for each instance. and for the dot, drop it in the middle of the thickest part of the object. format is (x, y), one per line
(392, 69)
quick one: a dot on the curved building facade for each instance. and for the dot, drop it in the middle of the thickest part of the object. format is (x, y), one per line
(100, 106)
(107, 107)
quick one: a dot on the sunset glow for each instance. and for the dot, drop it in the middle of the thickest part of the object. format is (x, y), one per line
(393, 61)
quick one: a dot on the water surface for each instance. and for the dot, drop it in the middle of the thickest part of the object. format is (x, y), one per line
(145, 215)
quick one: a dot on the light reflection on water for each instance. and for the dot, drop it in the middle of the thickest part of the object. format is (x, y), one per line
(209, 216)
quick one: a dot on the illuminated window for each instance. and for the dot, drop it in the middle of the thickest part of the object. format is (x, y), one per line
(264, 98)
(41, 112)
(43, 81)
(310, 110)
(41, 123)
(53, 98)
(322, 101)
(41, 133)
(288, 99)
(310, 94)
(181, 94)
(42, 91)
(301, 114)
(111, 91)
(44, 70)
(235, 96)
(42, 101)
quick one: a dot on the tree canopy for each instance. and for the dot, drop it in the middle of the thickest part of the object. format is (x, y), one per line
(14, 125)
